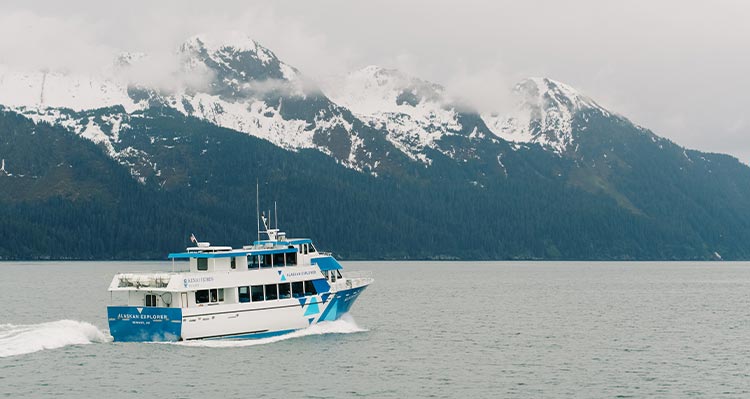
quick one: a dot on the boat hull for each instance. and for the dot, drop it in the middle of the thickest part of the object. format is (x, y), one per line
(138, 324)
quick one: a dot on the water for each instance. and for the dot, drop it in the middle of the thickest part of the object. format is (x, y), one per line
(424, 329)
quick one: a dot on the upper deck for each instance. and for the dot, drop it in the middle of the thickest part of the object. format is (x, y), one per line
(222, 262)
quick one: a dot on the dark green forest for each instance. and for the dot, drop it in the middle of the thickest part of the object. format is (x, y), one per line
(63, 197)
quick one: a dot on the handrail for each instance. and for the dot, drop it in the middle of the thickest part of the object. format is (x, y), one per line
(138, 280)
(357, 274)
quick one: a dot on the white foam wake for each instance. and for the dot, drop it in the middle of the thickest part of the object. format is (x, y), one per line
(27, 338)
(344, 325)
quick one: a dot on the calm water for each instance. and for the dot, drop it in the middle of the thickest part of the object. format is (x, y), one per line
(424, 329)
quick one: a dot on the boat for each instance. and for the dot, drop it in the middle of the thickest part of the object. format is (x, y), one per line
(273, 287)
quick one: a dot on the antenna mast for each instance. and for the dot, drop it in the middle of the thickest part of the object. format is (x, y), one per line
(257, 205)
(275, 215)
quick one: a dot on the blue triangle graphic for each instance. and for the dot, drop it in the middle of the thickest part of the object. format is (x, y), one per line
(324, 297)
(312, 309)
(283, 278)
(309, 321)
(278, 271)
(302, 301)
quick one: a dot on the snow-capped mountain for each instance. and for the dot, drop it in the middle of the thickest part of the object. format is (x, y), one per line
(247, 90)
(416, 115)
(250, 90)
(375, 119)
(383, 154)
(547, 113)
(41, 90)
(413, 112)
(254, 92)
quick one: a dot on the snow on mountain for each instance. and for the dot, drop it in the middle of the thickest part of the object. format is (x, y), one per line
(65, 99)
(249, 91)
(247, 88)
(545, 114)
(225, 48)
(246, 75)
(42, 90)
(254, 117)
(413, 112)
(240, 62)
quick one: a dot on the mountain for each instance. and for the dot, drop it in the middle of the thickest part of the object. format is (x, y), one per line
(415, 115)
(382, 165)
(548, 113)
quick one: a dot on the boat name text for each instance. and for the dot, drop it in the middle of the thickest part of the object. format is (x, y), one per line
(300, 274)
(196, 281)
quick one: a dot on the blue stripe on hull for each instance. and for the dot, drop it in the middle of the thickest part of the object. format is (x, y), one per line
(144, 324)
(267, 334)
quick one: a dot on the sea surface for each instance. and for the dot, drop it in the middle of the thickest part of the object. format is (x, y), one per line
(423, 329)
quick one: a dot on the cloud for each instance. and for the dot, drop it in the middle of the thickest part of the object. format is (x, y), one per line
(486, 89)
(35, 42)
(675, 58)
(167, 72)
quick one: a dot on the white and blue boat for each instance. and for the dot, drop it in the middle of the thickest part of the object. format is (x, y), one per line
(269, 288)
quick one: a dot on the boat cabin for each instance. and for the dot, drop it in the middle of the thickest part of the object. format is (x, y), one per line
(260, 255)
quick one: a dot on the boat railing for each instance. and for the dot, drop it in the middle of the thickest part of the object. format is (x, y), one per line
(358, 274)
(143, 279)
(358, 278)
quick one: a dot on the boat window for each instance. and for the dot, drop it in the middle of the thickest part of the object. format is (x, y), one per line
(201, 296)
(202, 263)
(216, 294)
(325, 274)
(265, 260)
(256, 293)
(278, 259)
(271, 293)
(310, 288)
(244, 294)
(150, 300)
(285, 291)
(233, 265)
(298, 289)
(338, 273)
(252, 262)
(291, 258)
(333, 277)
(312, 248)
(304, 249)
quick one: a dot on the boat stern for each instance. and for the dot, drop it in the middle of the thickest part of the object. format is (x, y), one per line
(144, 324)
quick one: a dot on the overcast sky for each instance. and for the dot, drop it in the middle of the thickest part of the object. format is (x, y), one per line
(679, 68)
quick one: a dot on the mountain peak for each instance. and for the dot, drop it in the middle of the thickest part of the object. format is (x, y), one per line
(415, 114)
(233, 42)
(544, 114)
(241, 66)
(547, 93)
(375, 89)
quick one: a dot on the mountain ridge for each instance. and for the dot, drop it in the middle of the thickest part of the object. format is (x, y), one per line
(249, 85)
(559, 177)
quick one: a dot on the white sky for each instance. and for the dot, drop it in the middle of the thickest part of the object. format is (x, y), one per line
(679, 68)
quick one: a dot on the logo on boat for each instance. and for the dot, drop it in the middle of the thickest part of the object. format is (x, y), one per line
(196, 281)
(141, 316)
(300, 274)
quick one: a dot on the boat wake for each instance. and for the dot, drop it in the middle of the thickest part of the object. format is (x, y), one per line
(19, 339)
(344, 325)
